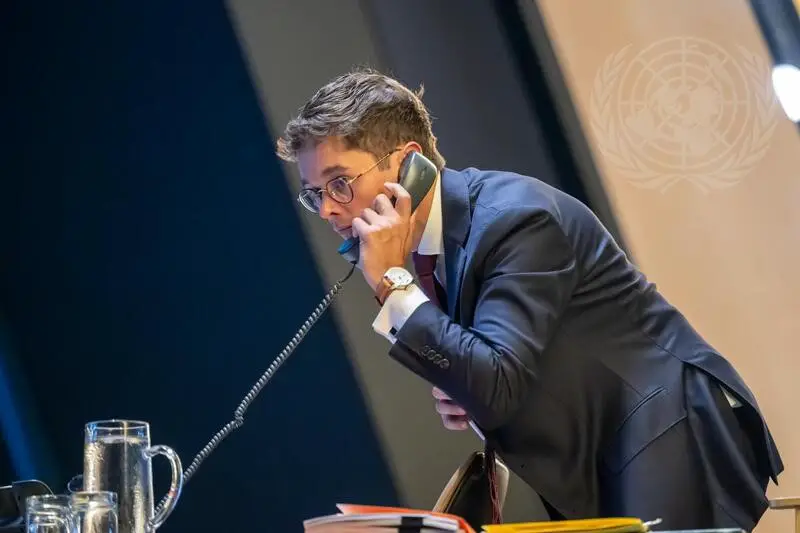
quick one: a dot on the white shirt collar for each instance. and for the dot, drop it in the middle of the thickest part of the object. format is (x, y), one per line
(431, 242)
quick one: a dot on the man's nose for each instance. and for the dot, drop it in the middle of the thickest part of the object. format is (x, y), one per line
(327, 207)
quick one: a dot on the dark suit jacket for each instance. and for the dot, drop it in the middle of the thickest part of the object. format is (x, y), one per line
(569, 359)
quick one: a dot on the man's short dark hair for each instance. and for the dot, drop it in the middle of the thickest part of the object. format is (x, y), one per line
(369, 111)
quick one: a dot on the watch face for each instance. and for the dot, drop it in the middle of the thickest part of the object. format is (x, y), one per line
(399, 276)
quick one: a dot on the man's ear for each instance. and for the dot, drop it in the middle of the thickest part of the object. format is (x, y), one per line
(410, 146)
(405, 151)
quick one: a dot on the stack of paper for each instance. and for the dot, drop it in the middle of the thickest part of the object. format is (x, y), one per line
(375, 519)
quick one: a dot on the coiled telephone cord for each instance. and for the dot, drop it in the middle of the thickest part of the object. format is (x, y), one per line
(238, 415)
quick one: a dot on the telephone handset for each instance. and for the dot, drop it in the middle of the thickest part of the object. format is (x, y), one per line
(417, 175)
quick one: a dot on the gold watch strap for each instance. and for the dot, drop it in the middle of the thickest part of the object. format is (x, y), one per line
(385, 288)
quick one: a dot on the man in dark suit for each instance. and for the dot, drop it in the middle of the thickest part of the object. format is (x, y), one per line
(584, 379)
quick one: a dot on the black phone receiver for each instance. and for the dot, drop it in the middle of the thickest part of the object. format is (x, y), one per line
(417, 176)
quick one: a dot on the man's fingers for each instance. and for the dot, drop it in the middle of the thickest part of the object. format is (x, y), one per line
(455, 423)
(403, 199)
(359, 228)
(446, 407)
(383, 205)
(370, 216)
(439, 394)
(453, 415)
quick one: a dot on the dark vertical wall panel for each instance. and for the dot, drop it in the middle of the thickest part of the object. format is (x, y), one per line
(483, 116)
(154, 265)
(537, 63)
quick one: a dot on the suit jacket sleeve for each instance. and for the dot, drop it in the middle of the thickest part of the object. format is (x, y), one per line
(527, 272)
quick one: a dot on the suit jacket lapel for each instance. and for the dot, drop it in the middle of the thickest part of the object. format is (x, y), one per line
(456, 223)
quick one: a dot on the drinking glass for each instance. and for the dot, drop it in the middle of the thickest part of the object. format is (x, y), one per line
(48, 514)
(94, 512)
(117, 458)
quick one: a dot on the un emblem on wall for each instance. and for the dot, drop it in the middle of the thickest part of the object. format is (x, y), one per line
(683, 109)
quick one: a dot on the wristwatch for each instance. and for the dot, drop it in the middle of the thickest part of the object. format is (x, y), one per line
(396, 278)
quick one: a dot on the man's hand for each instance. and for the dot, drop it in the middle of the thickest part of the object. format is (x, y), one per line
(385, 234)
(453, 416)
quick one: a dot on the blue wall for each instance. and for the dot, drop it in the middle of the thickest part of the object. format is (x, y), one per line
(152, 263)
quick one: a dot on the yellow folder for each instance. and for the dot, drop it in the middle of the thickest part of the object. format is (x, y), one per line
(591, 525)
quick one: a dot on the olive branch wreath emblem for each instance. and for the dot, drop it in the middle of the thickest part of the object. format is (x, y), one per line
(619, 152)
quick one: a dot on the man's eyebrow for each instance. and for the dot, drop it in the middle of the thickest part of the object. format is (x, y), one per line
(334, 169)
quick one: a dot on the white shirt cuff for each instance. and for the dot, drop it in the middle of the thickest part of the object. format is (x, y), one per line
(397, 308)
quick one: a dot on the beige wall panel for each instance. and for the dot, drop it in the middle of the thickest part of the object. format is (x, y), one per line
(703, 172)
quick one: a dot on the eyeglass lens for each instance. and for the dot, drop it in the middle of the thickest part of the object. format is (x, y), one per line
(339, 189)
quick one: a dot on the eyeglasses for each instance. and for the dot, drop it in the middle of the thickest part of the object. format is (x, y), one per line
(338, 188)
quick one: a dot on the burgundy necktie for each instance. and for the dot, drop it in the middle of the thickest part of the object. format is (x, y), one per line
(425, 265)
(489, 456)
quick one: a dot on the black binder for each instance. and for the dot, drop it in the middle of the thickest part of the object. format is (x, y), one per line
(12, 503)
